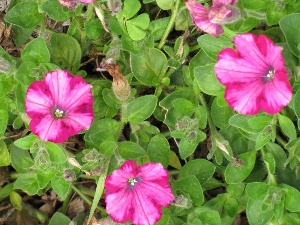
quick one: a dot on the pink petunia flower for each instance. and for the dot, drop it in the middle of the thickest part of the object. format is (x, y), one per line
(137, 193)
(71, 4)
(60, 106)
(211, 19)
(254, 75)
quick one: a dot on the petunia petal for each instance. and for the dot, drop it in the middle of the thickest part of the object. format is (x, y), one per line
(231, 68)
(145, 212)
(79, 94)
(250, 51)
(38, 99)
(276, 94)
(49, 129)
(243, 97)
(119, 205)
(58, 83)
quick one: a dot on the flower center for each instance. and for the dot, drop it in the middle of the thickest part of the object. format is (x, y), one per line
(218, 15)
(269, 76)
(132, 182)
(58, 113)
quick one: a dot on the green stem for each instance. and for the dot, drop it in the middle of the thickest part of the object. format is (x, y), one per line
(66, 202)
(86, 199)
(86, 191)
(170, 25)
(173, 172)
(41, 216)
(211, 125)
(280, 141)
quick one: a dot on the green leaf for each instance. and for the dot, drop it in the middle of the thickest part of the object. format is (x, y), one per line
(65, 51)
(60, 186)
(55, 10)
(157, 27)
(292, 198)
(188, 144)
(158, 150)
(4, 117)
(134, 32)
(255, 4)
(278, 153)
(58, 218)
(165, 4)
(130, 150)
(174, 160)
(6, 190)
(107, 148)
(202, 169)
(239, 170)
(56, 154)
(20, 159)
(250, 124)
(140, 109)
(296, 98)
(207, 81)
(287, 126)
(212, 45)
(28, 183)
(149, 66)
(290, 27)
(205, 215)
(190, 186)
(131, 7)
(257, 193)
(221, 113)
(141, 21)
(275, 13)
(101, 131)
(21, 35)
(263, 137)
(5, 158)
(97, 195)
(44, 177)
(183, 105)
(24, 14)
(93, 28)
(110, 98)
(27, 141)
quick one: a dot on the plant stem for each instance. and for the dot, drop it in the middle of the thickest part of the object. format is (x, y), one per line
(41, 216)
(66, 202)
(211, 125)
(170, 25)
(86, 199)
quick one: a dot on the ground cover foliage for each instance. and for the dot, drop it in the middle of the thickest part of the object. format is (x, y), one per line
(203, 94)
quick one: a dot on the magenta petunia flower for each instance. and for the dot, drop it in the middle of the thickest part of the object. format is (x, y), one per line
(254, 75)
(137, 193)
(211, 19)
(60, 106)
(71, 4)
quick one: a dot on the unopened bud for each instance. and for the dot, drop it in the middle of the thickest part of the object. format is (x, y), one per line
(182, 201)
(69, 175)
